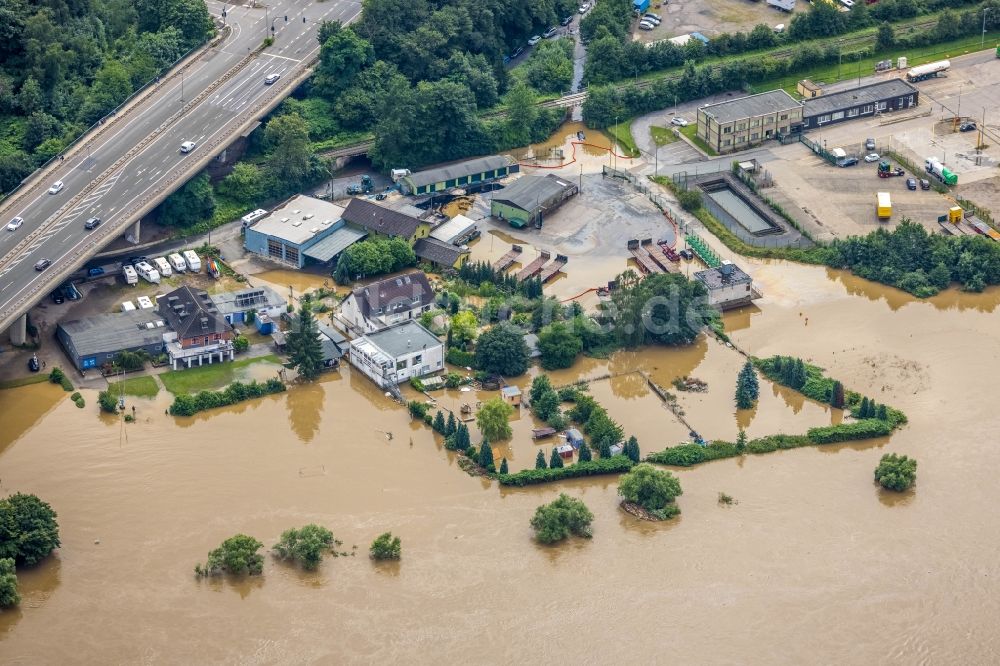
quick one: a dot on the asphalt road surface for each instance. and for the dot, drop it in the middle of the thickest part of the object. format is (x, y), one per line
(54, 230)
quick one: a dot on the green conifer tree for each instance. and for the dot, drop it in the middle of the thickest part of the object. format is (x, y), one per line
(438, 424)
(540, 461)
(864, 409)
(605, 449)
(503, 466)
(585, 454)
(555, 461)
(632, 449)
(883, 413)
(837, 395)
(486, 456)
(451, 426)
(741, 440)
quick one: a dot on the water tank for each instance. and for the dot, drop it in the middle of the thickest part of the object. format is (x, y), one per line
(901, 62)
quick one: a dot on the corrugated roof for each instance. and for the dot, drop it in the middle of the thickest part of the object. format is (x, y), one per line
(380, 219)
(459, 169)
(527, 192)
(760, 104)
(438, 252)
(110, 333)
(841, 101)
(297, 227)
(327, 248)
(453, 228)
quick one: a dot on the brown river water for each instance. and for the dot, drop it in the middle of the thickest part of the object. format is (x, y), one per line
(813, 564)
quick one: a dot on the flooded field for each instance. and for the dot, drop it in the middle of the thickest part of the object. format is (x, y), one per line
(813, 560)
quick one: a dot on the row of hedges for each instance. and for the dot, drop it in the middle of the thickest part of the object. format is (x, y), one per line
(846, 432)
(460, 358)
(187, 405)
(613, 465)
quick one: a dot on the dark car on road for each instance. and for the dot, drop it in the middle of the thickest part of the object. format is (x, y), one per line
(42, 264)
(847, 161)
(967, 127)
(95, 272)
(869, 144)
(92, 223)
(911, 183)
(518, 51)
(551, 32)
(566, 21)
(925, 184)
(57, 296)
(33, 364)
(136, 260)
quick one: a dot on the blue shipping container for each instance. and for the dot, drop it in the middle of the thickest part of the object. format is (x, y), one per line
(640, 6)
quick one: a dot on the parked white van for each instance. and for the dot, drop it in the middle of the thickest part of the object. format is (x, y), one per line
(192, 260)
(177, 263)
(145, 303)
(147, 272)
(128, 306)
(131, 277)
(250, 218)
(163, 266)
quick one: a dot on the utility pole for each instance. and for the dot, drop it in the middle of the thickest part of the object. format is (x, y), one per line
(982, 44)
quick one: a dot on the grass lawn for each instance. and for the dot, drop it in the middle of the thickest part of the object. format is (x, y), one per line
(622, 133)
(24, 381)
(662, 135)
(849, 70)
(142, 387)
(209, 377)
(691, 132)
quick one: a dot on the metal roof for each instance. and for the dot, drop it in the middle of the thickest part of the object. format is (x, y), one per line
(405, 338)
(760, 104)
(714, 278)
(110, 333)
(327, 248)
(453, 228)
(437, 252)
(459, 169)
(380, 219)
(529, 192)
(263, 296)
(299, 220)
(848, 99)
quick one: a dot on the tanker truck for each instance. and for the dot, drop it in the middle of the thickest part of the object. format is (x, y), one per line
(927, 71)
(934, 167)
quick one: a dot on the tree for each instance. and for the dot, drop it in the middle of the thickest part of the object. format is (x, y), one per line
(651, 488)
(741, 440)
(28, 529)
(343, 54)
(864, 409)
(386, 547)
(193, 203)
(8, 583)
(632, 449)
(540, 385)
(492, 419)
(546, 406)
(451, 426)
(555, 460)
(585, 454)
(107, 402)
(503, 466)
(665, 308)
(747, 387)
(304, 347)
(236, 555)
(244, 184)
(305, 545)
(240, 344)
(896, 472)
(464, 326)
(559, 346)
(605, 448)
(559, 519)
(439, 424)
(486, 456)
(540, 461)
(882, 414)
(287, 136)
(501, 350)
(837, 395)
(522, 114)
(885, 38)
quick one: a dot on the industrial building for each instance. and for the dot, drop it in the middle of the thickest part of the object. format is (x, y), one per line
(386, 302)
(304, 230)
(530, 198)
(889, 95)
(459, 229)
(234, 305)
(440, 254)
(378, 220)
(93, 341)
(396, 354)
(728, 286)
(470, 173)
(738, 124)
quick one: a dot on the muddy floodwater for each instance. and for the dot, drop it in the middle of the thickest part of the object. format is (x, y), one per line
(814, 564)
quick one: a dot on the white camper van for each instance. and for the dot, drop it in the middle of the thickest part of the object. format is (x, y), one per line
(147, 272)
(163, 266)
(192, 260)
(131, 277)
(128, 306)
(145, 303)
(177, 263)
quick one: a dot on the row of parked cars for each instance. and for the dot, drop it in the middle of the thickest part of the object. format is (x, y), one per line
(649, 21)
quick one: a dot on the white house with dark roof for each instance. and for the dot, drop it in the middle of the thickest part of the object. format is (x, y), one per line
(387, 302)
(398, 353)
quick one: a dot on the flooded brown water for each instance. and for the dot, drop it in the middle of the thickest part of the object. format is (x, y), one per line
(813, 565)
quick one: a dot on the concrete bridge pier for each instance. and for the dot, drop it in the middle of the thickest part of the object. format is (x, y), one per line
(132, 235)
(19, 331)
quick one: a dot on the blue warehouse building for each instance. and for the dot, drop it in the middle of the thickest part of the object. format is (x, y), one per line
(303, 231)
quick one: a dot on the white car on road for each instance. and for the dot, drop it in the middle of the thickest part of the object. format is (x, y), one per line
(187, 146)
(872, 157)
(584, 8)
(271, 78)
(534, 40)
(680, 122)
(15, 223)
(57, 187)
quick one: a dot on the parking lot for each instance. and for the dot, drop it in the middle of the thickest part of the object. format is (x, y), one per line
(681, 17)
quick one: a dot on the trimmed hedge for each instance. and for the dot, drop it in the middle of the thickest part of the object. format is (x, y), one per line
(187, 405)
(613, 465)
(461, 358)
(845, 432)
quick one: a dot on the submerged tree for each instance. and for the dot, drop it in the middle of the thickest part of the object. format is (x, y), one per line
(386, 547)
(236, 555)
(747, 387)
(585, 454)
(305, 545)
(493, 419)
(559, 519)
(304, 348)
(555, 460)
(651, 488)
(837, 395)
(8, 583)
(896, 472)
(503, 466)
(540, 461)
(486, 456)
(28, 529)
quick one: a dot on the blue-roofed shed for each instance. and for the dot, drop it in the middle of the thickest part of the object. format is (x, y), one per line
(574, 438)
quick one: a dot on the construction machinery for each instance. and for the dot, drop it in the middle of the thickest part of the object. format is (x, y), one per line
(366, 186)
(885, 170)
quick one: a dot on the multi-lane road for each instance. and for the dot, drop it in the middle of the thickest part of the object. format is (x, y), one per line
(134, 160)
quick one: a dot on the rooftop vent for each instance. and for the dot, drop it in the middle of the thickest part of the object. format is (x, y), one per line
(284, 219)
(296, 211)
(308, 216)
(297, 223)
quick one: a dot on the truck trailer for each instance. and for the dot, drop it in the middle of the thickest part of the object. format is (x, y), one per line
(930, 70)
(883, 205)
(934, 167)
